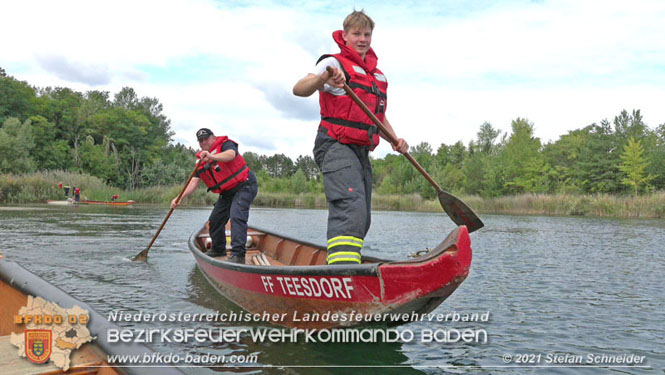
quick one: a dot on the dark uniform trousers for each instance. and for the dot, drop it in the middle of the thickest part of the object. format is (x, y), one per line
(347, 181)
(234, 205)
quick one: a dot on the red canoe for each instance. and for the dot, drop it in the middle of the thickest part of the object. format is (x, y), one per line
(286, 281)
(71, 201)
(111, 203)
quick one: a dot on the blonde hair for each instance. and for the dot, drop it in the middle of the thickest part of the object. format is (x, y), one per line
(358, 18)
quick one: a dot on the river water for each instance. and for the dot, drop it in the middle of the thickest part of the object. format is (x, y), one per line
(554, 288)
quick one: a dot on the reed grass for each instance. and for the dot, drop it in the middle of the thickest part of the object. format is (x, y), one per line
(41, 186)
(599, 205)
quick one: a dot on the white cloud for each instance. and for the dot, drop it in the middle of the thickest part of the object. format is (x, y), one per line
(61, 67)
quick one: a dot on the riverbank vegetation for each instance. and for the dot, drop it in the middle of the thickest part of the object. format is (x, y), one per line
(107, 144)
(39, 187)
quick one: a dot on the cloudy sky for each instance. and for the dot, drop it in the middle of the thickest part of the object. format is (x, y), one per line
(451, 65)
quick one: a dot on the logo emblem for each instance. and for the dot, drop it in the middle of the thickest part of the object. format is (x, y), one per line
(38, 345)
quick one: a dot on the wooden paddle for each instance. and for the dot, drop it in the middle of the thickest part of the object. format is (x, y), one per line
(143, 255)
(457, 210)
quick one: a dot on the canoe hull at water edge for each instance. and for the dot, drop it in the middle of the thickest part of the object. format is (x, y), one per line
(288, 280)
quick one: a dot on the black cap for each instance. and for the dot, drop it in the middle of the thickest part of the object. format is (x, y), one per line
(203, 133)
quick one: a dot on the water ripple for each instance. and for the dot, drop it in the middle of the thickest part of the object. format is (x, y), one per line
(551, 285)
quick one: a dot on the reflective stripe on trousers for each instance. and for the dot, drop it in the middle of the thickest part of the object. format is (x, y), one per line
(344, 249)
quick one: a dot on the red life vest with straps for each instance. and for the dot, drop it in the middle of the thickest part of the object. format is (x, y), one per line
(222, 176)
(340, 115)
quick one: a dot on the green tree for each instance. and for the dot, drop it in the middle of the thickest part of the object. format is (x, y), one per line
(97, 160)
(253, 161)
(17, 98)
(450, 178)
(139, 140)
(564, 156)
(442, 155)
(16, 142)
(417, 183)
(61, 106)
(657, 157)
(50, 152)
(298, 182)
(174, 166)
(597, 166)
(422, 152)
(633, 166)
(477, 163)
(390, 174)
(126, 98)
(516, 167)
(486, 138)
(534, 178)
(474, 171)
(457, 153)
(308, 166)
(279, 165)
(630, 126)
(494, 180)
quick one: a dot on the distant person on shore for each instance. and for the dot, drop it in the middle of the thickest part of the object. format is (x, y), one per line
(65, 189)
(346, 134)
(115, 197)
(224, 171)
(77, 194)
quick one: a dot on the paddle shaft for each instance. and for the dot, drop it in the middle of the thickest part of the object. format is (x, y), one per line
(143, 255)
(458, 211)
(387, 134)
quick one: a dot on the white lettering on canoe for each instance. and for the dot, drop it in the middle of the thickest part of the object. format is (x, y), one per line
(267, 283)
(329, 287)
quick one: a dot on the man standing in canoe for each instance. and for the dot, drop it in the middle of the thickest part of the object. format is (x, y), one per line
(346, 135)
(224, 171)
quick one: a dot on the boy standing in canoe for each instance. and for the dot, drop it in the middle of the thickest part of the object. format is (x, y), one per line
(224, 171)
(346, 135)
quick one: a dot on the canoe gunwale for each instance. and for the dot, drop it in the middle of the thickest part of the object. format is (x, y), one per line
(367, 269)
(15, 276)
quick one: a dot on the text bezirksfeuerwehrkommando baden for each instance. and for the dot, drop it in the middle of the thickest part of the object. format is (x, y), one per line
(281, 335)
(276, 335)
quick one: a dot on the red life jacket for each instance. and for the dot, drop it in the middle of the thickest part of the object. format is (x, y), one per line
(222, 176)
(340, 115)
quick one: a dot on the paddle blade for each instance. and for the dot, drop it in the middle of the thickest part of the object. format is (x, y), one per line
(142, 256)
(459, 212)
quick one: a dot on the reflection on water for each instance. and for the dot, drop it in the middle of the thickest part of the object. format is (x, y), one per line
(551, 285)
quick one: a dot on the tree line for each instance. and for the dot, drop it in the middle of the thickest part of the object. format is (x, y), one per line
(618, 157)
(126, 140)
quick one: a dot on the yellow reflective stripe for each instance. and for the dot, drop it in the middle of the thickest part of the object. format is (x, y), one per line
(346, 238)
(344, 260)
(352, 253)
(344, 243)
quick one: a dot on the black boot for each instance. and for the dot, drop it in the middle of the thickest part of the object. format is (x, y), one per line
(216, 253)
(235, 258)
